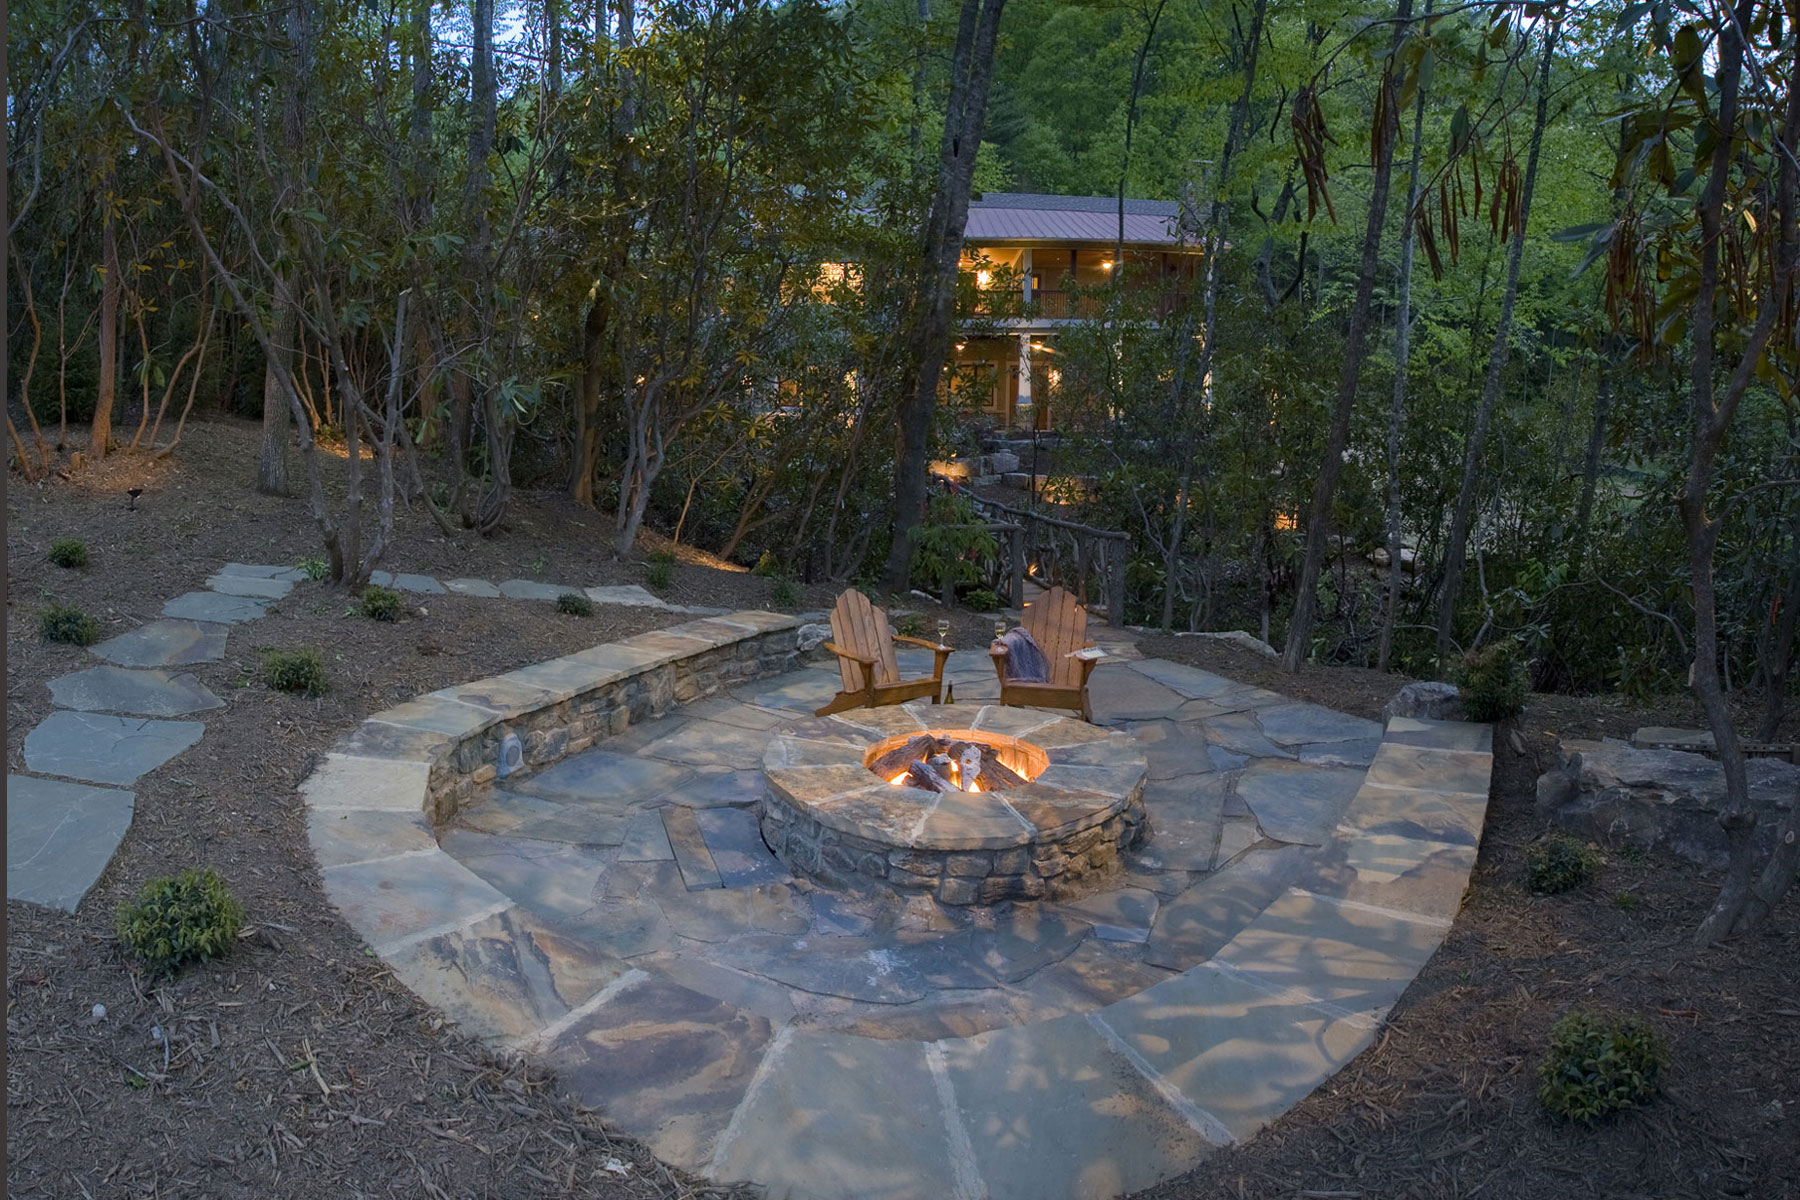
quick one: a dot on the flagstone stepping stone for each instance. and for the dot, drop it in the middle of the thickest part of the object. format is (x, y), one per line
(734, 838)
(1236, 835)
(839, 916)
(212, 606)
(1191, 682)
(725, 915)
(472, 587)
(421, 584)
(1170, 749)
(874, 970)
(1358, 753)
(165, 644)
(1192, 927)
(254, 586)
(59, 837)
(254, 571)
(145, 693)
(1096, 1126)
(554, 881)
(105, 749)
(801, 692)
(527, 589)
(629, 594)
(1122, 915)
(1293, 724)
(710, 744)
(662, 1061)
(1294, 802)
(711, 788)
(511, 815)
(645, 839)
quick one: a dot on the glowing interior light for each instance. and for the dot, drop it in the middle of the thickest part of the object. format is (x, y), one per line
(983, 278)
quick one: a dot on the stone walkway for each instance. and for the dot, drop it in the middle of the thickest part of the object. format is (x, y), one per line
(621, 918)
(113, 726)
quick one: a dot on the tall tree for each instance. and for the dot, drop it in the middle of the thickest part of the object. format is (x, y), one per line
(940, 253)
(1512, 209)
(1356, 335)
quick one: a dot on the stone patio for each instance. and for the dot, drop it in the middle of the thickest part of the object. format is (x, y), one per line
(619, 915)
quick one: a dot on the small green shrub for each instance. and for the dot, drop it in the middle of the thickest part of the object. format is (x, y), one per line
(66, 623)
(1599, 1064)
(315, 569)
(1631, 852)
(660, 573)
(785, 593)
(179, 919)
(982, 600)
(766, 566)
(1625, 901)
(1493, 682)
(952, 545)
(910, 625)
(301, 671)
(1560, 863)
(381, 603)
(574, 604)
(68, 552)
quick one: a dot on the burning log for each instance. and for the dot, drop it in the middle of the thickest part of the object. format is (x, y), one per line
(945, 765)
(924, 775)
(896, 761)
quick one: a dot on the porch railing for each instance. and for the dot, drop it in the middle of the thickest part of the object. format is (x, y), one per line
(1089, 562)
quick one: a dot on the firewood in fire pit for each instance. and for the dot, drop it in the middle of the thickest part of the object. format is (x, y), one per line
(917, 749)
(924, 775)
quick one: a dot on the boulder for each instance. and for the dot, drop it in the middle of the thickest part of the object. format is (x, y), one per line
(1426, 702)
(999, 463)
(811, 637)
(1613, 793)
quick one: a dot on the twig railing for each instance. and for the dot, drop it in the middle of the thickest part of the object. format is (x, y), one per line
(1051, 551)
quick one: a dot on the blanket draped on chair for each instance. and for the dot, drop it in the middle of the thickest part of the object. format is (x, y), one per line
(1025, 659)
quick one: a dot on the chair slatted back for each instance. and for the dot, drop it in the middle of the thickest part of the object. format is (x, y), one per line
(859, 626)
(1059, 624)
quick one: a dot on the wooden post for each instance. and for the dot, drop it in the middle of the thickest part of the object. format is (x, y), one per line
(1081, 568)
(1115, 583)
(1015, 548)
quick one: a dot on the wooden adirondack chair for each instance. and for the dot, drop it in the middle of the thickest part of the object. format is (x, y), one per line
(1058, 623)
(865, 654)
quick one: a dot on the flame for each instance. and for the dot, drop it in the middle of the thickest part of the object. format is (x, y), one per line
(974, 787)
(900, 778)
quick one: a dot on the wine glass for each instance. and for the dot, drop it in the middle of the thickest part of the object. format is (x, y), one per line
(943, 628)
(999, 629)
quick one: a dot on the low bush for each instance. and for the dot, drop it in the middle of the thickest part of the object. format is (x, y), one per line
(381, 603)
(574, 604)
(660, 573)
(1493, 682)
(315, 569)
(66, 623)
(301, 671)
(785, 593)
(982, 600)
(1598, 1065)
(766, 566)
(1560, 863)
(68, 552)
(179, 919)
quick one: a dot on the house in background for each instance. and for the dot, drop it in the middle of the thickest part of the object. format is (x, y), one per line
(1053, 248)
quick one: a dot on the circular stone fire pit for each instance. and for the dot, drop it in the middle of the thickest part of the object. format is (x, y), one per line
(1055, 834)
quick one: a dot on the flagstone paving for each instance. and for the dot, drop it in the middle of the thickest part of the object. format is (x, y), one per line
(59, 837)
(101, 748)
(147, 693)
(1301, 867)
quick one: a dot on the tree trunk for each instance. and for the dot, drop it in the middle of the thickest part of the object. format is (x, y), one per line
(1397, 414)
(271, 462)
(1590, 469)
(1456, 549)
(972, 66)
(1356, 340)
(100, 435)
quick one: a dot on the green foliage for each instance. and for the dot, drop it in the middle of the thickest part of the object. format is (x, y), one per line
(68, 552)
(785, 593)
(1625, 901)
(315, 569)
(953, 545)
(982, 600)
(767, 566)
(659, 573)
(301, 671)
(1599, 1064)
(1560, 863)
(187, 917)
(381, 603)
(574, 604)
(67, 623)
(1493, 682)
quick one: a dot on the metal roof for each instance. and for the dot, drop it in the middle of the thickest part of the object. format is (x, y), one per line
(1000, 217)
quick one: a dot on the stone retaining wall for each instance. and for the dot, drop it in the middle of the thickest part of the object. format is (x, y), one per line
(450, 740)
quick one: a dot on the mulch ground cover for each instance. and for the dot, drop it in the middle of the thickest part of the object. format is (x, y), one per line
(297, 1067)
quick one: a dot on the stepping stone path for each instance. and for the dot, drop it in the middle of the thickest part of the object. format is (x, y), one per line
(617, 915)
(61, 835)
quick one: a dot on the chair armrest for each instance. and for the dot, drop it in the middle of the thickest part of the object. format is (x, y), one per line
(913, 641)
(850, 654)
